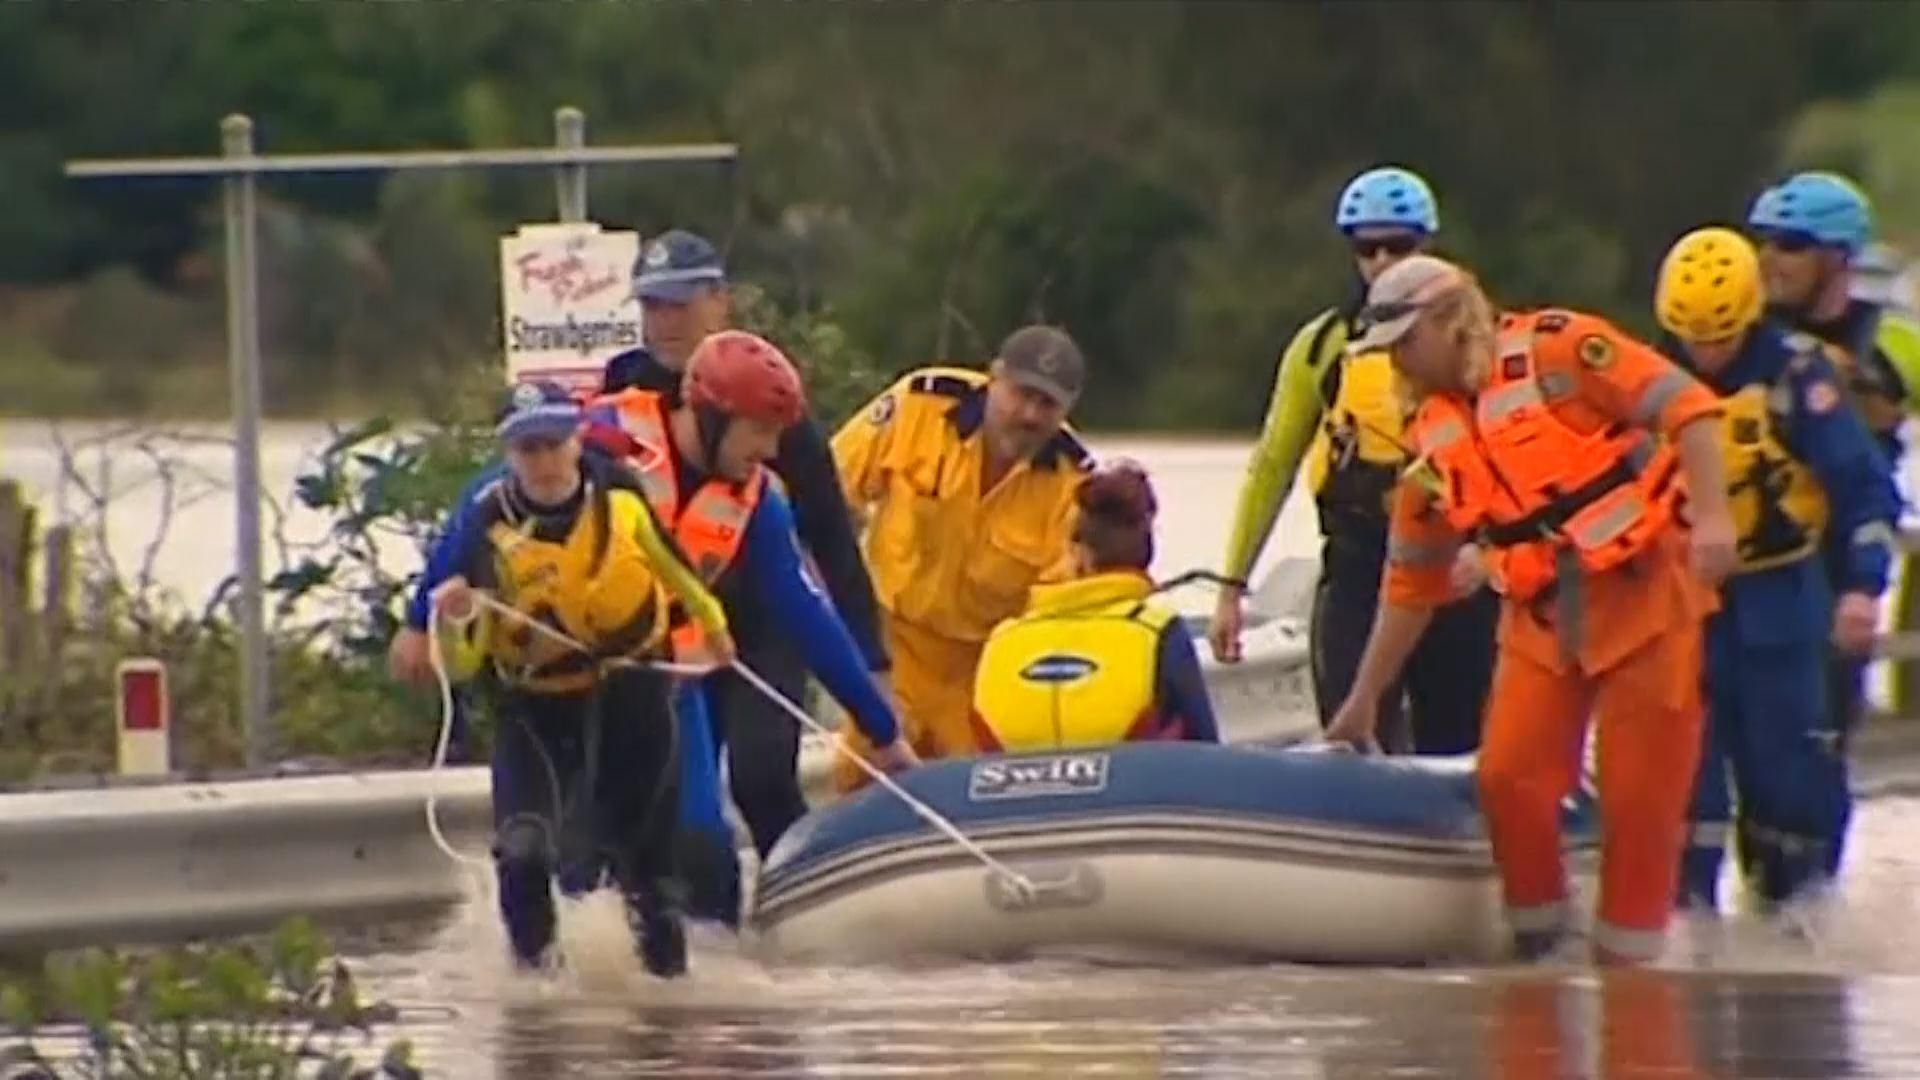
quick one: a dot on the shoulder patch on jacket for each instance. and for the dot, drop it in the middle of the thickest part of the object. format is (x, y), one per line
(1596, 352)
(880, 413)
(949, 386)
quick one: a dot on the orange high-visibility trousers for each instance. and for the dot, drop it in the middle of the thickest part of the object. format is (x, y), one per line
(1651, 712)
(933, 689)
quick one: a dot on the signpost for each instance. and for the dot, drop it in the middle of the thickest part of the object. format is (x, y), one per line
(238, 169)
(566, 302)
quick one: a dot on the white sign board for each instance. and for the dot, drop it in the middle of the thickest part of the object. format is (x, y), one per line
(566, 302)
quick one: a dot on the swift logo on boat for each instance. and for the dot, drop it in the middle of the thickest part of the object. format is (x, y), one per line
(1021, 778)
(1057, 668)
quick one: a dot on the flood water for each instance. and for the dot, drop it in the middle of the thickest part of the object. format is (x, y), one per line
(1748, 1002)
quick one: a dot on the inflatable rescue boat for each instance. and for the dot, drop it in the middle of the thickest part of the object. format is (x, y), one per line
(1157, 848)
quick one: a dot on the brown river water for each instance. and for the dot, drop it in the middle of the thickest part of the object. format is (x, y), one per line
(1748, 1001)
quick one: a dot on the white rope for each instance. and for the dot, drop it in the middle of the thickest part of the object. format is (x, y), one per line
(932, 817)
(446, 736)
(1020, 882)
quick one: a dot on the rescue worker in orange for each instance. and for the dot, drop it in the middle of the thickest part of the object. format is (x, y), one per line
(1560, 445)
(701, 461)
(967, 481)
(1095, 660)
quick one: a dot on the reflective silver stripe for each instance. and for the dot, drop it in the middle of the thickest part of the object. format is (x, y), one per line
(1409, 553)
(1441, 435)
(1609, 526)
(1556, 385)
(1509, 399)
(1539, 918)
(646, 430)
(718, 508)
(1785, 842)
(657, 486)
(1660, 395)
(1874, 534)
(1641, 453)
(1708, 834)
(1632, 944)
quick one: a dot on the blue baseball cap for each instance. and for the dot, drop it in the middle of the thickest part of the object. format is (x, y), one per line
(675, 266)
(538, 410)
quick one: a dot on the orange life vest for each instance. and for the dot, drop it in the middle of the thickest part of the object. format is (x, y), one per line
(1548, 498)
(710, 525)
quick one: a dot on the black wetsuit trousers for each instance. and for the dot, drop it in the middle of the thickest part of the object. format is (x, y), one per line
(1446, 679)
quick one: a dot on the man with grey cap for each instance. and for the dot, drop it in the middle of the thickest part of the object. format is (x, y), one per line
(1568, 451)
(681, 282)
(966, 479)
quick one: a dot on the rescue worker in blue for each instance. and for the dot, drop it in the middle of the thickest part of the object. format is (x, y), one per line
(1812, 229)
(681, 283)
(1095, 660)
(1800, 466)
(586, 741)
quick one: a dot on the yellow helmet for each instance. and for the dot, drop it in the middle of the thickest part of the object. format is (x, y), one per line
(1709, 286)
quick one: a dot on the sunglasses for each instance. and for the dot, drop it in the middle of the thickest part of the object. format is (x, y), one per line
(1790, 241)
(1367, 248)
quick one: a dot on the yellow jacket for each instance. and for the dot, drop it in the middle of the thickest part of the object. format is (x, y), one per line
(944, 555)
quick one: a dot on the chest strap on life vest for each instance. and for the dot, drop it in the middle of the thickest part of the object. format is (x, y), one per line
(1548, 522)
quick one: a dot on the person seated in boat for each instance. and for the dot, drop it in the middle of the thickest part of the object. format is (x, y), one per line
(586, 585)
(1801, 464)
(1094, 660)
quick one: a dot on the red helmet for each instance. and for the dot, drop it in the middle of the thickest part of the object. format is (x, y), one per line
(740, 374)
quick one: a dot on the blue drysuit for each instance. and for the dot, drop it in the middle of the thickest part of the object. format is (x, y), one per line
(1771, 722)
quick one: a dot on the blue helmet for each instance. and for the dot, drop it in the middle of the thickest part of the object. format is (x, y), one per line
(1824, 205)
(1387, 196)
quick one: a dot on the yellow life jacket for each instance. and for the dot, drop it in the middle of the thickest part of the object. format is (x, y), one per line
(1359, 446)
(1779, 508)
(596, 586)
(1077, 668)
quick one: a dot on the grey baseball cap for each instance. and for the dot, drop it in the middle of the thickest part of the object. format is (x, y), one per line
(1046, 359)
(1396, 297)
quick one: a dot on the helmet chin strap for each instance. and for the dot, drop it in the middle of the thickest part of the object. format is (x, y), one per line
(711, 423)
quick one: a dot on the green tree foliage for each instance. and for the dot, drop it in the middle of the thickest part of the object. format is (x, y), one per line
(1156, 176)
(283, 1010)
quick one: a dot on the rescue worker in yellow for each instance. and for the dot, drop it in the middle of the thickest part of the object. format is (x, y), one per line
(1799, 465)
(1095, 661)
(967, 480)
(1342, 414)
(586, 738)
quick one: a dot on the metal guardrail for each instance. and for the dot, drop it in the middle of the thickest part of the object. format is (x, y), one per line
(157, 860)
(171, 861)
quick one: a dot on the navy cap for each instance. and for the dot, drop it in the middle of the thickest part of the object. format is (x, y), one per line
(538, 410)
(675, 266)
